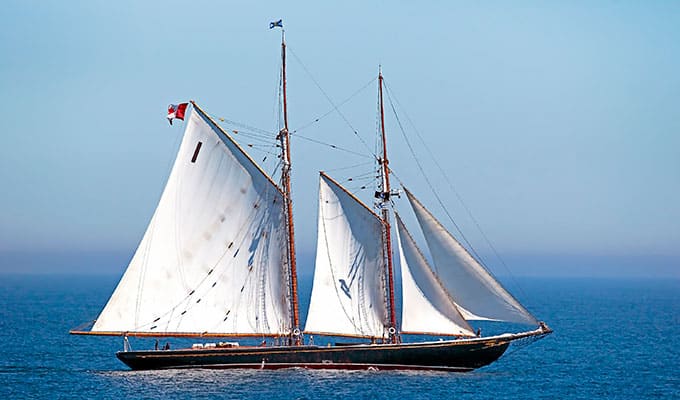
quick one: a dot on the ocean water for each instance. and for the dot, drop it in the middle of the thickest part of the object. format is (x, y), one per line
(614, 339)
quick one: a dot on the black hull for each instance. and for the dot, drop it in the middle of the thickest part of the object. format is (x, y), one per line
(456, 355)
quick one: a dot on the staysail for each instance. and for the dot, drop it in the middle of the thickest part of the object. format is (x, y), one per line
(468, 282)
(213, 258)
(427, 307)
(348, 294)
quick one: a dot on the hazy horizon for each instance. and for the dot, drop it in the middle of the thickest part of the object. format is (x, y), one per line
(113, 263)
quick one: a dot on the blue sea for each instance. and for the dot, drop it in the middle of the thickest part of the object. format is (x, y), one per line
(614, 339)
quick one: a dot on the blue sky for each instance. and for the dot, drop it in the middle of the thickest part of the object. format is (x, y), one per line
(557, 123)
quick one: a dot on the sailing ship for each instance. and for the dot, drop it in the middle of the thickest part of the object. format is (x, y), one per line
(218, 261)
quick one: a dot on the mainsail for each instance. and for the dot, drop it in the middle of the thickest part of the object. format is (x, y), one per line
(467, 281)
(348, 294)
(213, 258)
(427, 307)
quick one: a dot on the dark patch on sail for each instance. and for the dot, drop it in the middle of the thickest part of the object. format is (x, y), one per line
(198, 148)
(345, 287)
(353, 270)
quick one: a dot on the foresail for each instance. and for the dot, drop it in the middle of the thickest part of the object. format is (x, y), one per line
(348, 295)
(468, 282)
(426, 306)
(213, 258)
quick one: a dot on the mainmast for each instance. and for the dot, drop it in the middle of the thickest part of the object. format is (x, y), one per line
(384, 197)
(284, 137)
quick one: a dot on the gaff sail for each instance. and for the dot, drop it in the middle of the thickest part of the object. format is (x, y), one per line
(348, 294)
(213, 258)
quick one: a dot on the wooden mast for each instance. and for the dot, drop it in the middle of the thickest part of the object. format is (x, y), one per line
(385, 199)
(284, 136)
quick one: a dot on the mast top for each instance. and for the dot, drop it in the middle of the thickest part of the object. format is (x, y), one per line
(279, 24)
(384, 195)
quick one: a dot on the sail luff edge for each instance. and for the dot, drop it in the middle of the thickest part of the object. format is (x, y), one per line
(238, 146)
(520, 307)
(355, 198)
(436, 277)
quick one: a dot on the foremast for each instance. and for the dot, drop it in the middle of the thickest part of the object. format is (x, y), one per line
(284, 138)
(383, 203)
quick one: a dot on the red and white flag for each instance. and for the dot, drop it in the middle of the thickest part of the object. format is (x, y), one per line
(176, 111)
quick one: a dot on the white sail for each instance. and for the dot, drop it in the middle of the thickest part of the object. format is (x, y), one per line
(213, 259)
(426, 306)
(348, 295)
(468, 282)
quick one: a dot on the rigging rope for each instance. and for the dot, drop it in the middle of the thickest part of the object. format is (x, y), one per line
(254, 130)
(350, 166)
(335, 107)
(458, 196)
(370, 174)
(427, 179)
(349, 124)
(262, 141)
(256, 148)
(266, 137)
(520, 344)
(331, 146)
